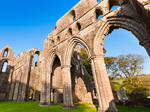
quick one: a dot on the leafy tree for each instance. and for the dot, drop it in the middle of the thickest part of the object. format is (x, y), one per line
(130, 65)
(127, 66)
(138, 84)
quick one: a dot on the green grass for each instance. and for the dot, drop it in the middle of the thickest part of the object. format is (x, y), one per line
(132, 109)
(33, 107)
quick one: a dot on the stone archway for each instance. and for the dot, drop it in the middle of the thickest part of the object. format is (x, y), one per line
(56, 82)
(119, 22)
(105, 96)
(46, 77)
(68, 99)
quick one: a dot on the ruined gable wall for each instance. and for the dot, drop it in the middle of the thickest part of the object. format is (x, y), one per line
(4, 76)
(21, 65)
(81, 82)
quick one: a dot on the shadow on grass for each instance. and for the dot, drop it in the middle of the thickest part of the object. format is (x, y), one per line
(132, 109)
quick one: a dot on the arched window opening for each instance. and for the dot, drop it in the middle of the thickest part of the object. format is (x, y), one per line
(123, 52)
(5, 53)
(73, 15)
(79, 26)
(98, 1)
(4, 67)
(70, 31)
(36, 58)
(99, 14)
(113, 4)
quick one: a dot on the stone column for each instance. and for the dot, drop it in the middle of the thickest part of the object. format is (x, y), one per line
(67, 88)
(48, 88)
(146, 44)
(103, 88)
(54, 96)
(43, 91)
(34, 93)
(16, 91)
(11, 91)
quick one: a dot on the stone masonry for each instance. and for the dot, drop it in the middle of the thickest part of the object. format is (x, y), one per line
(59, 72)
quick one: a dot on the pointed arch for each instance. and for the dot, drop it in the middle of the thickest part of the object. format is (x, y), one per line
(71, 45)
(114, 23)
(51, 57)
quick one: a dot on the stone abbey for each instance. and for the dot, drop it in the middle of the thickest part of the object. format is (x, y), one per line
(59, 73)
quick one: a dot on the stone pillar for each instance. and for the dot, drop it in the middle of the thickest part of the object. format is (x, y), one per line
(34, 93)
(19, 92)
(43, 91)
(54, 96)
(48, 88)
(67, 88)
(103, 88)
(16, 91)
(11, 91)
(146, 44)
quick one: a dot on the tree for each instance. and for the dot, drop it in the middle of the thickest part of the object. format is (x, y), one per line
(129, 65)
(123, 66)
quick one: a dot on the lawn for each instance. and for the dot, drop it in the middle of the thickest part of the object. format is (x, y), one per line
(33, 107)
(132, 109)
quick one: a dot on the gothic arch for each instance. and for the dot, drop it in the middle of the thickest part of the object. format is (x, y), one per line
(46, 78)
(114, 23)
(51, 57)
(71, 45)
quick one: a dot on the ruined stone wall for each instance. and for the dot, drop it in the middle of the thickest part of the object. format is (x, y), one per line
(81, 25)
(81, 83)
(4, 75)
(21, 75)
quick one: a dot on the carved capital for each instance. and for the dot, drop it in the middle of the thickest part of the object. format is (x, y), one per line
(145, 42)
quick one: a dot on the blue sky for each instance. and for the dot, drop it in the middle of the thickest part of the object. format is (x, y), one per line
(25, 24)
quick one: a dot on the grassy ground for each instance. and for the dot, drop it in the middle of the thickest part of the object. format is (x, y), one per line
(132, 109)
(33, 107)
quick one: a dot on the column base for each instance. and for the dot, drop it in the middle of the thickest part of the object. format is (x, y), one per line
(44, 104)
(111, 108)
(68, 107)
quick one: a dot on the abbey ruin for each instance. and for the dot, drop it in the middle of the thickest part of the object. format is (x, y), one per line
(59, 74)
